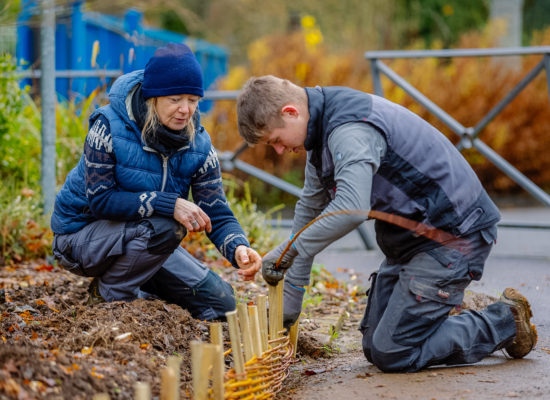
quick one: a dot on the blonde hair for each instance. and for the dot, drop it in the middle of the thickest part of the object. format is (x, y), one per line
(260, 103)
(152, 122)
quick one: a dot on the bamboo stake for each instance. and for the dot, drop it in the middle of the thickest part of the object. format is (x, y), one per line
(245, 331)
(234, 335)
(275, 310)
(255, 330)
(142, 391)
(218, 370)
(203, 382)
(261, 302)
(196, 355)
(293, 335)
(174, 362)
(168, 390)
(216, 333)
(280, 288)
(216, 337)
(272, 295)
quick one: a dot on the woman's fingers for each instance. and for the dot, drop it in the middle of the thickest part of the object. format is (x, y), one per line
(191, 216)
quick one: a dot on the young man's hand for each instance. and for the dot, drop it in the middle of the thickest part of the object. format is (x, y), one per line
(273, 274)
(249, 262)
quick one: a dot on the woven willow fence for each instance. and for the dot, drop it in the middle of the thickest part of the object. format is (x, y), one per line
(261, 355)
(259, 372)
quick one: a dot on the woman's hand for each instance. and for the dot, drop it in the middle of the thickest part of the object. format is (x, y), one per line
(191, 216)
(249, 262)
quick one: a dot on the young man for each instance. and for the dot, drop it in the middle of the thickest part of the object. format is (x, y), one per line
(367, 153)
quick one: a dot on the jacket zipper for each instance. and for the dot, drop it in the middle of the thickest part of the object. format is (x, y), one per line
(164, 163)
(164, 166)
(164, 171)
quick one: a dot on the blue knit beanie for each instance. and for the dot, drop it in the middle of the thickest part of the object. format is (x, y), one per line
(173, 69)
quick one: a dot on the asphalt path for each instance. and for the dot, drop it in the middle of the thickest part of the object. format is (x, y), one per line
(520, 259)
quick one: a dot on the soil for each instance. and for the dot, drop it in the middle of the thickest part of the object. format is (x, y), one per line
(54, 346)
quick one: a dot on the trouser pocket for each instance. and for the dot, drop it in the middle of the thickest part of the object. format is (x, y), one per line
(425, 309)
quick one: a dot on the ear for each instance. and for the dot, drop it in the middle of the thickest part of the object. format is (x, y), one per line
(290, 110)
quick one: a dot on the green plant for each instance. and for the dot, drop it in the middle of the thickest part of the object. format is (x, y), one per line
(333, 333)
(10, 94)
(20, 148)
(255, 223)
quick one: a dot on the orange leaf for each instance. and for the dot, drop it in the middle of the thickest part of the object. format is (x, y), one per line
(42, 267)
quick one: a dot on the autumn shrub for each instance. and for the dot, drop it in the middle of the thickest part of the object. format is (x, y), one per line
(24, 232)
(466, 88)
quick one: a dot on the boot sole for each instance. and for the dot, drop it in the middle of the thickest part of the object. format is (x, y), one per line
(514, 298)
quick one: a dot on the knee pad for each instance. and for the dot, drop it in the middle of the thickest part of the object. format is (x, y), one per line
(166, 234)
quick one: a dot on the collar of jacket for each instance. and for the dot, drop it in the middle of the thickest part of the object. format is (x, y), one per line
(316, 107)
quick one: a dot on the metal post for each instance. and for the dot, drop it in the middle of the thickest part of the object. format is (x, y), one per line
(47, 92)
(547, 66)
(376, 78)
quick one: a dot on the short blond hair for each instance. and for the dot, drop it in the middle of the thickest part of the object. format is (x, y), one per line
(260, 103)
(152, 122)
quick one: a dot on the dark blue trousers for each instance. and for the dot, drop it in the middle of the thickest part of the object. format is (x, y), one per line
(143, 259)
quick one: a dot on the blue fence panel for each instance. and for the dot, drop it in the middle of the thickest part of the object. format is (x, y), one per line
(124, 45)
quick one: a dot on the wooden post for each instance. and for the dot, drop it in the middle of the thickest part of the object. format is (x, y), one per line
(216, 333)
(203, 382)
(235, 337)
(196, 355)
(218, 370)
(293, 335)
(280, 296)
(261, 302)
(272, 295)
(255, 330)
(174, 362)
(275, 310)
(216, 337)
(142, 391)
(101, 396)
(245, 331)
(168, 384)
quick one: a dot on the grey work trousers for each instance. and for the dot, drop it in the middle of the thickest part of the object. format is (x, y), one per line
(139, 259)
(407, 326)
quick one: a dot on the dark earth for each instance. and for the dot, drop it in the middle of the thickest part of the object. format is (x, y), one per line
(54, 346)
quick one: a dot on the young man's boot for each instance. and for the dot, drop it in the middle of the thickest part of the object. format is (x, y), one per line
(526, 333)
(93, 293)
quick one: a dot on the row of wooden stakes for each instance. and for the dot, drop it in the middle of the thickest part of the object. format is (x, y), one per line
(250, 331)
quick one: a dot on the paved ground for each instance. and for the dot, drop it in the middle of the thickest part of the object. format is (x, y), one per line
(520, 259)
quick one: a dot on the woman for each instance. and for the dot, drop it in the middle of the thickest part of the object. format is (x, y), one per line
(123, 210)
